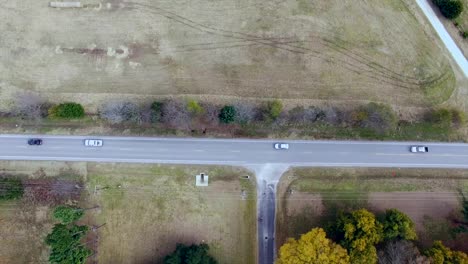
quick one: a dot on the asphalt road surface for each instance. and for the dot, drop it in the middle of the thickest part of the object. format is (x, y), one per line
(235, 152)
(259, 155)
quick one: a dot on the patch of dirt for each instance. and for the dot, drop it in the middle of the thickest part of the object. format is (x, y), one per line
(417, 205)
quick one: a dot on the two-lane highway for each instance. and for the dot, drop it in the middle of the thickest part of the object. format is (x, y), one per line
(258, 155)
(235, 152)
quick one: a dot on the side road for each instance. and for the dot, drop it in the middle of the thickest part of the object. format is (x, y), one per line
(444, 35)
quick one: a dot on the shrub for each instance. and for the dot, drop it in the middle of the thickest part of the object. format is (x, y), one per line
(175, 114)
(441, 117)
(194, 108)
(458, 118)
(451, 9)
(227, 114)
(156, 111)
(245, 112)
(120, 111)
(10, 188)
(67, 110)
(464, 34)
(272, 110)
(379, 117)
(67, 214)
(65, 246)
(29, 106)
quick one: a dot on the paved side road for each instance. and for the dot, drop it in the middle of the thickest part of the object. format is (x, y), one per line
(235, 152)
(444, 35)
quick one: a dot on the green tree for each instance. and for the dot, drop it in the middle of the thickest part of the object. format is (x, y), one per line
(451, 9)
(67, 110)
(397, 225)
(443, 255)
(462, 225)
(272, 110)
(156, 111)
(359, 231)
(65, 247)
(193, 254)
(195, 108)
(227, 114)
(68, 214)
(11, 188)
(312, 248)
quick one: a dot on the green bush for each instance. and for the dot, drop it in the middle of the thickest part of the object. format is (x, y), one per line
(194, 254)
(451, 9)
(67, 110)
(10, 188)
(464, 34)
(156, 111)
(65, 245)
(441, 117)
(272, 110)
(227, 114)
(67, 214)
(194, 108)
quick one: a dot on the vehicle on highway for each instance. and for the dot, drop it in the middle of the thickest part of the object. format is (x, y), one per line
(419, 149)
(93, 142)
(35, 141)
(281, 146)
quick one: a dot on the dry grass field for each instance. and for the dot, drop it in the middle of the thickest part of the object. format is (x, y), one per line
(146, 210)
(307, 51)
(429, 197)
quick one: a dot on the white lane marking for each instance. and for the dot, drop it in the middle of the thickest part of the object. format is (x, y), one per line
(218, 140)
(125, 149)
(235, 151)
(199, 150)
(23, 147)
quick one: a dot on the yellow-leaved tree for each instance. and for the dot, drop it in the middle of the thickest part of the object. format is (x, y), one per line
(312, 248)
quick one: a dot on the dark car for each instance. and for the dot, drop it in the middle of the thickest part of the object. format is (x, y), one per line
(35, 141)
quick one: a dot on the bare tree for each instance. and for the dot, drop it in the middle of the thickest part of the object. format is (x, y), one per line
(29, 106)
(245, 112)
(211, 115)
(401, 252)
(332, 116)
(120, 111)
(300, 115)
(175, 114)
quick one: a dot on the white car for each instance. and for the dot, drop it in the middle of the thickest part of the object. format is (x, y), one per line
(281, 146)
(93, 142)
(419, 149)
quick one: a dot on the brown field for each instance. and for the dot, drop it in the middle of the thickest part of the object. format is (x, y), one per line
(429, 197)
(146, 210)
(301, 50)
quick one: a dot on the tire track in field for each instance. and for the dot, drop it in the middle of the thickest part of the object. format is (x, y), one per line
(397, 81)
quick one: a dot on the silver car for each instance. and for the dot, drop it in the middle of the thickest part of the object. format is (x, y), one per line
(93, 143)
(281, 146)
(419, 149)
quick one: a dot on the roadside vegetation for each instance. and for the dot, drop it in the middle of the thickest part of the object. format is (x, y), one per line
(384, 215)
(452, 10)
(244, 119)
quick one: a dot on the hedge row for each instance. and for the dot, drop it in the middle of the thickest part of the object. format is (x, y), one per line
(185, 114)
